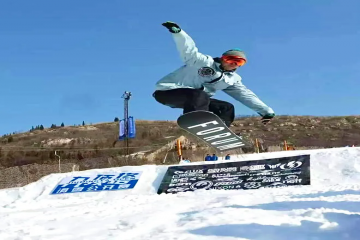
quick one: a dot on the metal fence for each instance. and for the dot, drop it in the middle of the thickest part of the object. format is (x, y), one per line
(23, 175)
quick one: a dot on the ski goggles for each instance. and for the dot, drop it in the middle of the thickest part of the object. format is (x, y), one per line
(239, 61)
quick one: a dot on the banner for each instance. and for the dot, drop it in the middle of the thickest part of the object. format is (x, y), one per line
(97, 182)
(132, 129)
(122, 134)
(267, 173)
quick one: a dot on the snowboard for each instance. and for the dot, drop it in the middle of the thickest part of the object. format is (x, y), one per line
(212, 130)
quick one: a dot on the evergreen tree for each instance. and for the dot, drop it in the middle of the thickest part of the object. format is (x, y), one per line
(62, 125)
(41, 127)
(83, 123)
(116, 119)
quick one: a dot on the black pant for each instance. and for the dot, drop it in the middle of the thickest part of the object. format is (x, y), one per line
(194, 99)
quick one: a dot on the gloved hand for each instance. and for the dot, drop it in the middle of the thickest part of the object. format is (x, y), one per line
(266, 118)
(172, 27)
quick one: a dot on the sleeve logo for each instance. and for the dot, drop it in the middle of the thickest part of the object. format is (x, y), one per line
(206, 72)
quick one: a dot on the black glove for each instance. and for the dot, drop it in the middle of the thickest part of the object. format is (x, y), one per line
(172, 27)
(266, 118)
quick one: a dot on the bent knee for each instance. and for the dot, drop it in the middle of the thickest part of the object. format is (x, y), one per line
(230, 107)
(196, 94)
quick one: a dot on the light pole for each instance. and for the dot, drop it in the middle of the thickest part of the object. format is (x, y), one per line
(126, 97)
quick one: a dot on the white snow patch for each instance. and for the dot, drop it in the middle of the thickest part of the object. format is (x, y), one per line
(140, 153)
(56, 142)
(87, 128)
(327, 209)
(169, 137)
(61, 141)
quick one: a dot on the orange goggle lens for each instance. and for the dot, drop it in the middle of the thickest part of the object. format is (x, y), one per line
(232, 59)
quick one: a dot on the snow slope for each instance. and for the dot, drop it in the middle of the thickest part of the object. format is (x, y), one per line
(328, 209)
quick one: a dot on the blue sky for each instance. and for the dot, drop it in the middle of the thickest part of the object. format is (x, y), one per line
(69, 61)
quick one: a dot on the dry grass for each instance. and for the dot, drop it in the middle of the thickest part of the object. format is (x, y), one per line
(99, 141)
(19, 176)
(305, 131)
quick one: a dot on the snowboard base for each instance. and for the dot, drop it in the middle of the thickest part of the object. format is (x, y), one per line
(212, 130)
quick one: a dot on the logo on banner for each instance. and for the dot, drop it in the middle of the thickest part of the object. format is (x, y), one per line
(291, 165)
(201, 185)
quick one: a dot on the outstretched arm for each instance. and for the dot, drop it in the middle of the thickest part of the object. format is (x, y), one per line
(186, 46)
(244, 95)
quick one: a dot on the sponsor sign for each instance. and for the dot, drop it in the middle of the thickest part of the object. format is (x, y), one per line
(267, 173)
(97, 182)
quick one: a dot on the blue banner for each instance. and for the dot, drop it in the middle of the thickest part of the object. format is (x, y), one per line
(97, 182)
(122, 134)
(132, 129)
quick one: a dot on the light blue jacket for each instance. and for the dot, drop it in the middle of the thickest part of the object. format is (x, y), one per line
(199, 70)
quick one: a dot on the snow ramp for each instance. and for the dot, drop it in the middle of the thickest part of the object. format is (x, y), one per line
(329, 208)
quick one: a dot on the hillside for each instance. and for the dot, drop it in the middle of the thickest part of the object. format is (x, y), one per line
(27, 157)
(77, 143)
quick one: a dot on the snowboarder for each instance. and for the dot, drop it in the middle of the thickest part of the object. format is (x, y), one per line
(192, 86)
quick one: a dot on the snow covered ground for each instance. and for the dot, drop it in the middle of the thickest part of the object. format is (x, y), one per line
(327, 209)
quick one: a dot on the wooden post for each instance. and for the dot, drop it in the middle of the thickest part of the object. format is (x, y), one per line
(257, 145)
(285, 145)
(178, 145)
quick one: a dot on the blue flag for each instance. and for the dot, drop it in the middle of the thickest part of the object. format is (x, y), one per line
(122, 133)
(132, 129)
